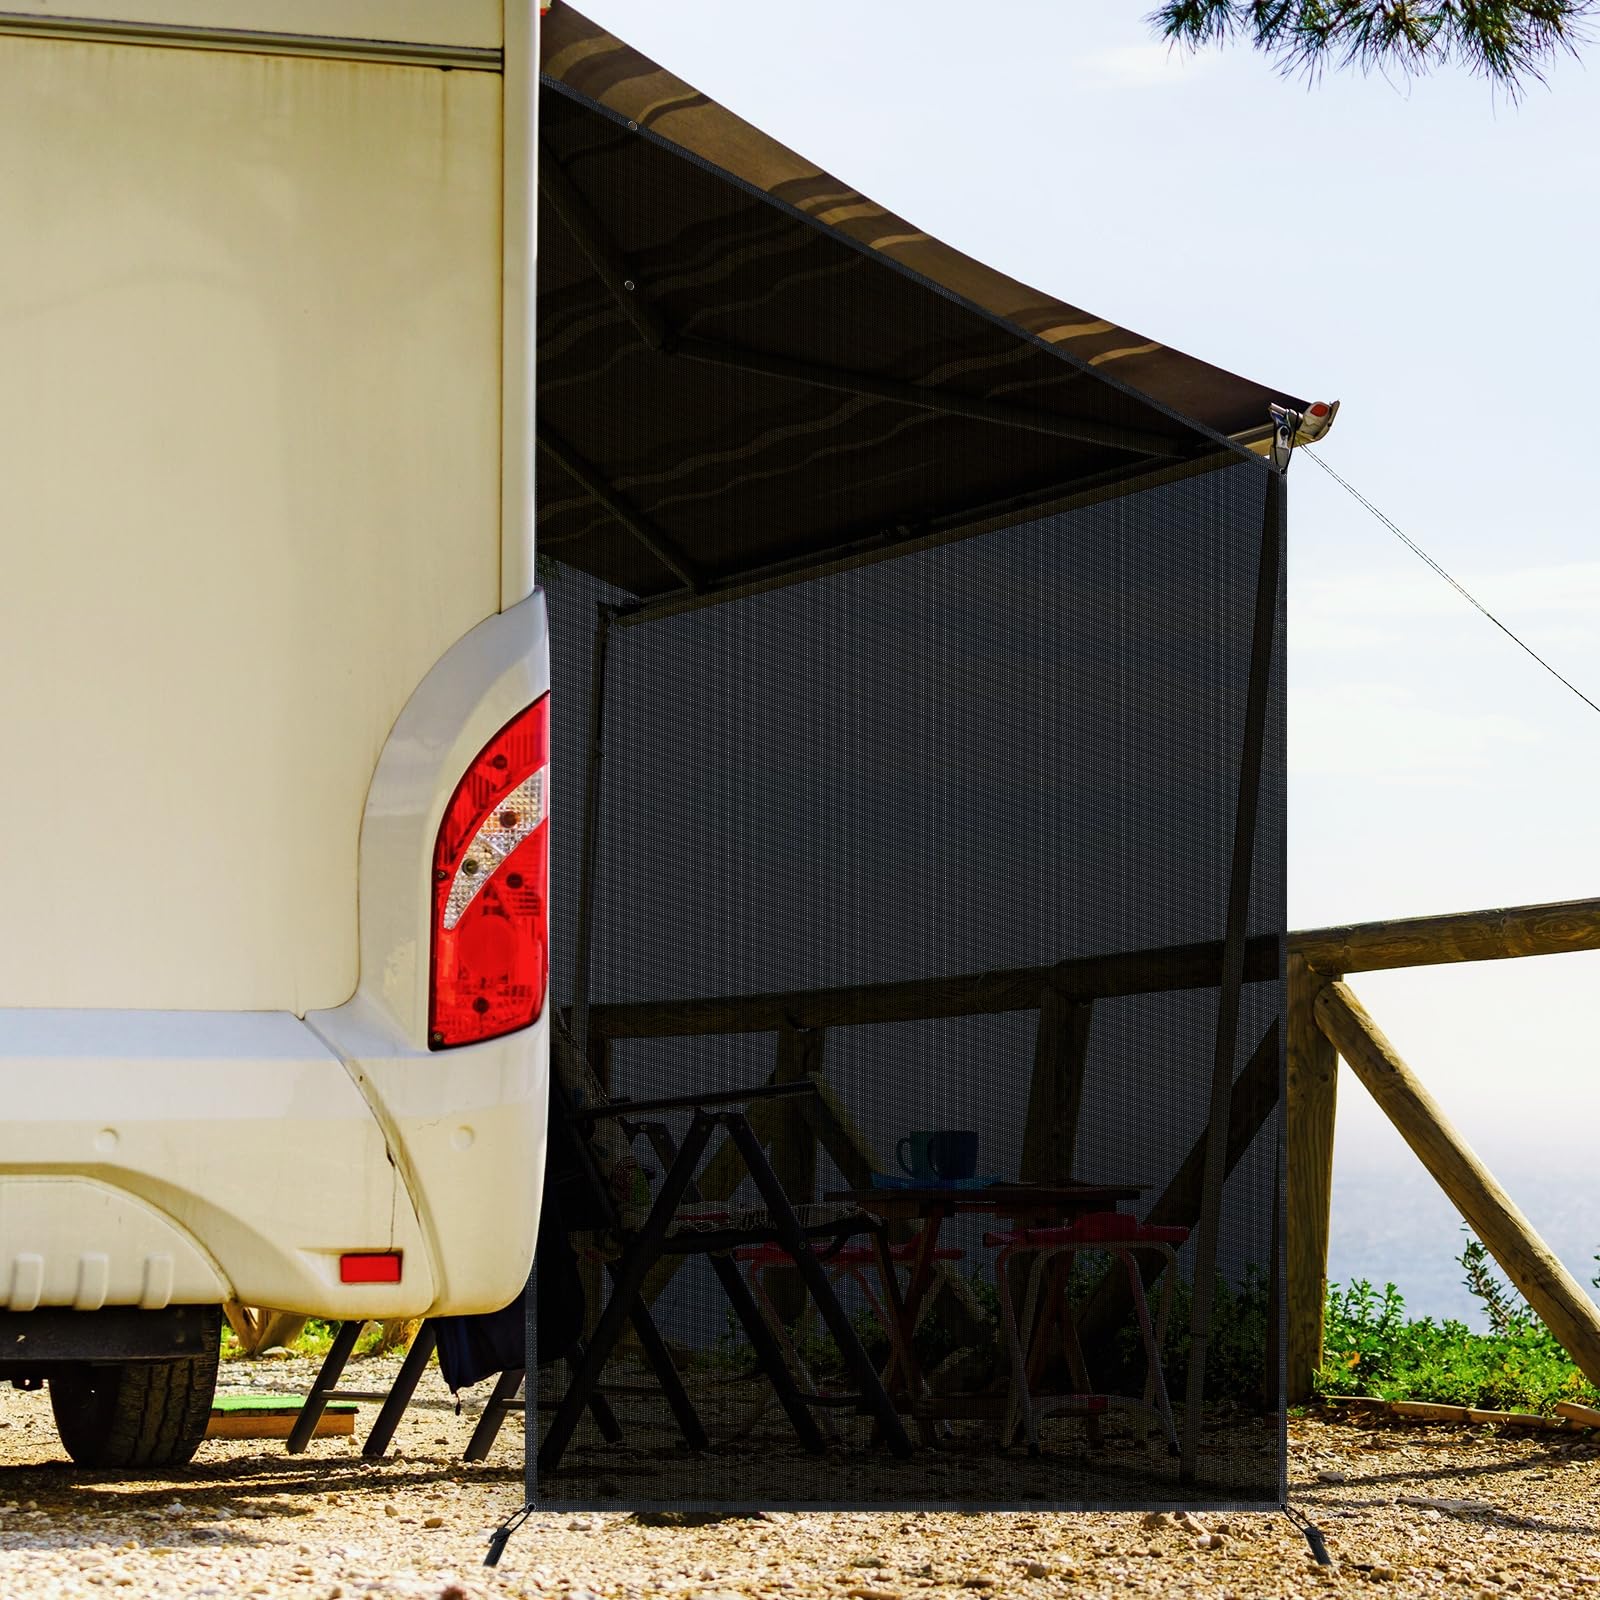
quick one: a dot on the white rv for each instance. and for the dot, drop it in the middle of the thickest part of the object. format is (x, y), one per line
(273, 708)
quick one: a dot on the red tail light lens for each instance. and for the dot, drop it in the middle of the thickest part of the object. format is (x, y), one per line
(491, 878)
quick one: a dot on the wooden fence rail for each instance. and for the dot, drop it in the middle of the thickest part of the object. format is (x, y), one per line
(1547, 1286)
(1319, 959)
(1496, 935)
(1189, 966)
(1324, 1021)
(1063, 995)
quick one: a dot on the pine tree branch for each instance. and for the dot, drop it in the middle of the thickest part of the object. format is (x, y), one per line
(1512, 43)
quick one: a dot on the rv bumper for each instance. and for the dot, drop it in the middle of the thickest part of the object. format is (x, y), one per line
(154, 1159)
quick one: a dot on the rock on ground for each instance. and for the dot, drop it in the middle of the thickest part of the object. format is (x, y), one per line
(1407, 1510)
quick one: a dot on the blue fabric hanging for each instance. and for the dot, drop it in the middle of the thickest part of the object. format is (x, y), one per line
(473, 1348)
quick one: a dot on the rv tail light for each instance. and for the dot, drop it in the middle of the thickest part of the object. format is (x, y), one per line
(370, 1266)
(491, 874)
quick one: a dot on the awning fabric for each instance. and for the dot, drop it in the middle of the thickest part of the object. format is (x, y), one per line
(746, 367)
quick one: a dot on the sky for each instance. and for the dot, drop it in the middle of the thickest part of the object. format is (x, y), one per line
(1424, 254)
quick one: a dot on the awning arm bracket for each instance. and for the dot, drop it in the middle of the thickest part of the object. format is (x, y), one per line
(1285, 428)
(1290, 427)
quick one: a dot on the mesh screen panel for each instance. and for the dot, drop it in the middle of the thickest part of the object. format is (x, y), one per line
(949, 830)
(988, 757)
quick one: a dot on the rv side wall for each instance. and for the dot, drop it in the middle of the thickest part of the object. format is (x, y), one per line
(251, 403)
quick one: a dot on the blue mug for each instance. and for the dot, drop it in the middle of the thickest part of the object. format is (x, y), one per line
(943, 1153)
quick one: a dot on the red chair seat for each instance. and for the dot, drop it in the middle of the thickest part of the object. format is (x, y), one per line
(854, 1255)
(1098, 1227)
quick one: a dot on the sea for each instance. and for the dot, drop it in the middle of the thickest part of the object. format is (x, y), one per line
(1392, 1224)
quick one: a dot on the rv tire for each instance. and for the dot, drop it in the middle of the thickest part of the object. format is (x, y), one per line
(136, 1413)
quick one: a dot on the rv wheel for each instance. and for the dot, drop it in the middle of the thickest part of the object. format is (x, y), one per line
(138, 1414)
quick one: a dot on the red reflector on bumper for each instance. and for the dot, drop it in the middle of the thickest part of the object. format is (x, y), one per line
(370, 1266)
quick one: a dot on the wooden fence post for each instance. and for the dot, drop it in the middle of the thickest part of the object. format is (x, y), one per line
(600, 1059)
(1555, 1295)
(832, 1124)
(1055, 1095)
(793, 1150)
(1055, 1098)
(1313, 1083)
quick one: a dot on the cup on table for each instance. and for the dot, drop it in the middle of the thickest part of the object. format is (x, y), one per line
(939, 1153)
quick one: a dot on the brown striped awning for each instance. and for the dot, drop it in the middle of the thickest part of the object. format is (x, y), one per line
(748, 368)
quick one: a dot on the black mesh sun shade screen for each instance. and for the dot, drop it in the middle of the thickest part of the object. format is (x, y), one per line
(899, 753)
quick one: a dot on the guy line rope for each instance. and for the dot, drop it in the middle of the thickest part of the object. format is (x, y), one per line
(1423, 555)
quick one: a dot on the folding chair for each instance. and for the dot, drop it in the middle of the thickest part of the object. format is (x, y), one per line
(679, 1223)
(325, 1387)
(583, 1196)
(596, 1203)
(852, 1263)
(398, 1396)
(1047, 1305)
(602, 1193)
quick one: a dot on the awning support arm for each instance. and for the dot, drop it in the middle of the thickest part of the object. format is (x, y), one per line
(1136, 441)
(568, 202)
(590, 481)
(610, 265)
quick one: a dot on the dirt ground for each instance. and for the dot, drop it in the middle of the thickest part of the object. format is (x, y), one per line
(1407, 1510)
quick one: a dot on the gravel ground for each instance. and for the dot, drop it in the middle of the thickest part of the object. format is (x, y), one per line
(1408, 1510)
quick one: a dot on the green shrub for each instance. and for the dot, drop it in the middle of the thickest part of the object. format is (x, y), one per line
(1372, 1348)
